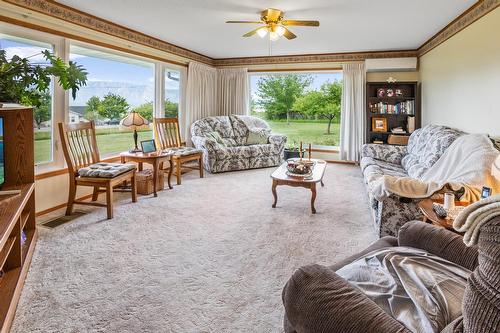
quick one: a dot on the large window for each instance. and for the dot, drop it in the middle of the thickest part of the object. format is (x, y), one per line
(31, 49)
(116, 85)
(172, 92)
(304, 107)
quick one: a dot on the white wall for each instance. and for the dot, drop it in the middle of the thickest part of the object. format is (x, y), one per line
(461, 79)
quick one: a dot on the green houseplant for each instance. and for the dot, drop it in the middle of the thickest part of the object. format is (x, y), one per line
(26, 83)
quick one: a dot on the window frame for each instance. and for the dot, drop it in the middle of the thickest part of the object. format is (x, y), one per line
(315, 147)
(61, 98)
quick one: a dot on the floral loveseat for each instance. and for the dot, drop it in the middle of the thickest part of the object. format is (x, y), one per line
(232, 152)
(425, 147)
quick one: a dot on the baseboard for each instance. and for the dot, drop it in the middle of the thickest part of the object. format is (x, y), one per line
(51, 209)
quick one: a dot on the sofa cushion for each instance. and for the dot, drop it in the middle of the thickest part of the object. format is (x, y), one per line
(232, 152)
(220, 124)
(257, 136)
(425, 147)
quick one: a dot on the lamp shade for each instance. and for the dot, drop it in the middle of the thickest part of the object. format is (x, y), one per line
(134, 121)
(495, 170)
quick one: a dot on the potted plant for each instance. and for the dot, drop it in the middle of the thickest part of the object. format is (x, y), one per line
(292, 151)
(26, 83)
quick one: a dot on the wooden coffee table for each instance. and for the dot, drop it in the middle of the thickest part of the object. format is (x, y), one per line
(280, 177)
(156, 159)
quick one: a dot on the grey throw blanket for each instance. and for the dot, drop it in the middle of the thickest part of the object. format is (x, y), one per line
(422, 291)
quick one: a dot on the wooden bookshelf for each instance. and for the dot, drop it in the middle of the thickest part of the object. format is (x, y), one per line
(395, 109)
(17, 211)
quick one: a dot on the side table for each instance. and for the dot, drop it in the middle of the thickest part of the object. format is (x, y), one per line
(156, 159)
(431, 217)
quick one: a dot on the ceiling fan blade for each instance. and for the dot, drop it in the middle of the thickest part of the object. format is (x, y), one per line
(301, 23)
(288, 34)
(251, 33)
(252, 22)
(271, 14)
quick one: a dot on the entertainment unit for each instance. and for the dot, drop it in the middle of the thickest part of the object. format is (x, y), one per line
(17, 211)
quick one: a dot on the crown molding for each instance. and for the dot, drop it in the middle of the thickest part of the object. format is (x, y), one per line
(68, 14)
(313, 58)
(86, 20)
(471, 15)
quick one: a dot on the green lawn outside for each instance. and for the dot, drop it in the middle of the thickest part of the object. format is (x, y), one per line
(109, 140)
(112, 140)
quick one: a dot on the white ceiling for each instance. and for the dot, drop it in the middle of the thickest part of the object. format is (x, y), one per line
(346, 25)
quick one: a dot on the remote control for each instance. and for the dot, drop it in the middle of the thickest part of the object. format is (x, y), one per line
(439, 210)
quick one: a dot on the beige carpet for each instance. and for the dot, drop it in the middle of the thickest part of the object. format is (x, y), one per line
(210, 255)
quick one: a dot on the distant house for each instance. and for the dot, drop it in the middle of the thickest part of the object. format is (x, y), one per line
(76, 114)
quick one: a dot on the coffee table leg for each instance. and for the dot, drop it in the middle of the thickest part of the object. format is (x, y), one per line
(313, 197)
(275, 195)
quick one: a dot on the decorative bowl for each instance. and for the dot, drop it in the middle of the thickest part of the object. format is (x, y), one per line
(299, 167)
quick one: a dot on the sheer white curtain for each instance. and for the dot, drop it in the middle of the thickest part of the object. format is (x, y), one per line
(232, 91)
(201, 95)
(352, 118)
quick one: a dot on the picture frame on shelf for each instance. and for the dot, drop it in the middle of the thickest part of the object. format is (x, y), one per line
(380, 92)
(379, 124)
(398, 92)
(389, 92)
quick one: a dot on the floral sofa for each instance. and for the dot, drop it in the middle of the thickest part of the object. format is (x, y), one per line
(425, 147)
(232, 152)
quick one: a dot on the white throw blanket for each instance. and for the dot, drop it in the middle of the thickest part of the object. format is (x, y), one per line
(474, 216)
(466, 163)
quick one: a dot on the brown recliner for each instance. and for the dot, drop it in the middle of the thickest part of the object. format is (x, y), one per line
(318, 300)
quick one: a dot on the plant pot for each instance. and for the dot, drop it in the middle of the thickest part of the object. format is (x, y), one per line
(293, 153)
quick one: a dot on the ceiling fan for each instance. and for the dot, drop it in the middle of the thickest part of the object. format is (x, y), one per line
(275, 24)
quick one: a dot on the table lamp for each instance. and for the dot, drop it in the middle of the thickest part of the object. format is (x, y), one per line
(134, 121)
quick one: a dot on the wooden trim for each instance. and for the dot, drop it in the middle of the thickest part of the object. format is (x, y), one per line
(61, 206)
(63, 171)
(471, 15)
(329, 151)
(87, 40)
(341, 162)
(89, 21)
(313, 58)
(294, 69)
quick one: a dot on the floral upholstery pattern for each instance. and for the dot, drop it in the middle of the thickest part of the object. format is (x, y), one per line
(234, 154)
(425, 147)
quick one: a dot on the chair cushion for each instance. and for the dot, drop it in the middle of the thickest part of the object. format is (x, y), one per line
(183, 151)
(105, 170)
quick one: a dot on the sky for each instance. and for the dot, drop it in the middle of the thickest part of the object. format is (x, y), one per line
(132, 79)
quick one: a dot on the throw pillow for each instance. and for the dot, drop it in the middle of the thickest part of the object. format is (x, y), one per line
(216, 137)
(257, 136)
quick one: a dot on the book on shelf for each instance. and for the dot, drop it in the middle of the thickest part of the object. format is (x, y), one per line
(404, 107)
(378, 142)
(398, 130)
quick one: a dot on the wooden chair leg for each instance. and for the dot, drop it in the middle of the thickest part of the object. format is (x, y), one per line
(95, 194)
(178, 169)
(71, 196)
(134, 188)
(109, 200)
(200, 164)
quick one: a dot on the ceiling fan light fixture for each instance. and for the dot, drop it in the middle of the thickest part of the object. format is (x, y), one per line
(262, 32)
(274, 36)
(280, 30)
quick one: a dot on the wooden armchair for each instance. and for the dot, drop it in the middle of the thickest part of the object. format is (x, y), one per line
(167, 137)
(86, 169)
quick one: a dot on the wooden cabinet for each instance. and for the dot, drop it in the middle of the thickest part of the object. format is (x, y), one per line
(17, 212)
